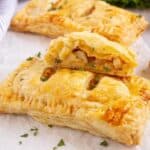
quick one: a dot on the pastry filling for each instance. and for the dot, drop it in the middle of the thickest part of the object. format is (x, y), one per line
(80, 58)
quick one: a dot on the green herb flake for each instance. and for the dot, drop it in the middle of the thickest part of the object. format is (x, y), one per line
(50, 126)
(104, 143)
(54, 148)
(61, 143)
(93, 49)
(81, 69)
(24, 135)
(44, 78)
(92, 65)
(34, 129)
(54, 9)
(106, 69)
(97, 77)
(35, 133)
(39, 54)
(49, 9)
(20, 142)
(29, 58)
(139, 16)
(57, 60)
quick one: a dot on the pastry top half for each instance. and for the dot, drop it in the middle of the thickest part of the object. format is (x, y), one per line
(79, 99)
(92, 52)
(56, 17)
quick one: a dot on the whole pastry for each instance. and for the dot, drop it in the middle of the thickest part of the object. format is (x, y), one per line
(57, 17)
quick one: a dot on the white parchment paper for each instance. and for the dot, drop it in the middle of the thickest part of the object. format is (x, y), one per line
(16, 47)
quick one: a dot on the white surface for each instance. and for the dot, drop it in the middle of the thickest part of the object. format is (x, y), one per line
(16, 47)
(146, 14)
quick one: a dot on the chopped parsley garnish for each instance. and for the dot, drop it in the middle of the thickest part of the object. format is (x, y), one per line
(34, 130)
(50, 126)
(57, 60)
(81, 69)
(54, 148)
(44, 78)
(106, 69)
(104, 143)
(24, 135)
(20, 142)
(139, 16)
(39, 54)
(90, 64)
(93, 49)
(61, 143)
(35, 133)
(29, 58)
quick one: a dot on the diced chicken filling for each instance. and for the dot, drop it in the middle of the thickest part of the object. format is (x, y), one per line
(117, 63)
(80, 58)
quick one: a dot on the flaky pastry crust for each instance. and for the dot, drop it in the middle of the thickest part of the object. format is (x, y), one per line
(83, 102)
(55, 18)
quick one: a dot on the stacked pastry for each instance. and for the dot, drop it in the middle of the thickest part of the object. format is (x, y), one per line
(85, 82)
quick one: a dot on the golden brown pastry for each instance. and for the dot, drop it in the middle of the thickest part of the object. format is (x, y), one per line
(56, 17)
(78, 99)
(92, 52)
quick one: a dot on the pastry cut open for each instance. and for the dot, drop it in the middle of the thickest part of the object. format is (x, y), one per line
(58, 17)
(105, 106)
(92, 52)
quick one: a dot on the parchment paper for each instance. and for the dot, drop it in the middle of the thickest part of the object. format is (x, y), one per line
(16, 47)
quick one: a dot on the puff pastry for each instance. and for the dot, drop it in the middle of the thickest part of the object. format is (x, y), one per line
(56, 17)
(83, 102)
(92, 52)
